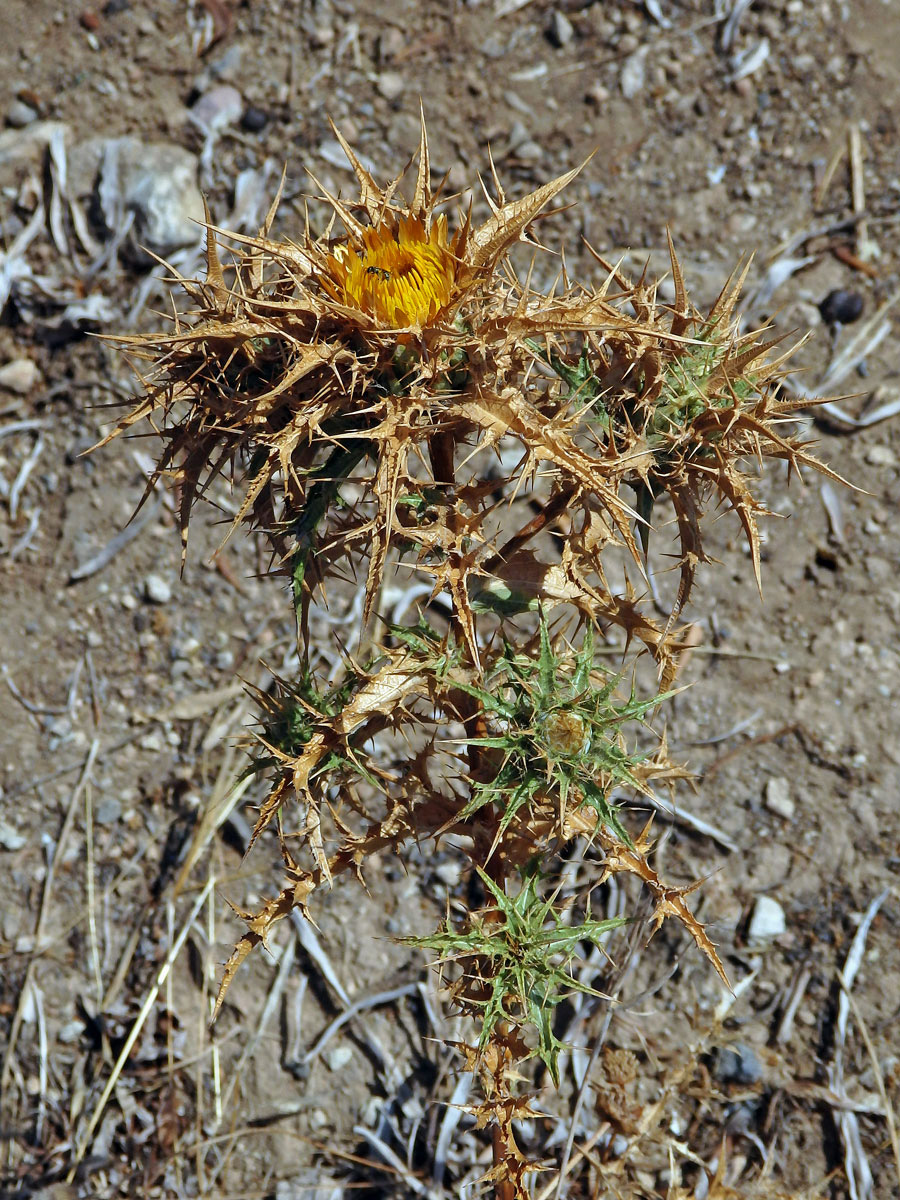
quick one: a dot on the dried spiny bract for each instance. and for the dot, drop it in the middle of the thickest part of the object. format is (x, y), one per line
(680, 403)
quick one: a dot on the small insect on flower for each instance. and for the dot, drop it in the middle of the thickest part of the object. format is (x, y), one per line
(380, 272)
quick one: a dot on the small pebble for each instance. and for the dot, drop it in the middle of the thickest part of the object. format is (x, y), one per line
(560, 31)
(597, 94)
(841, 307)
(154, 742)
(156, 590)
(391, 84)
(767, 922)
(529, 152)
(254, 119)
(19, 376)
(219, 107)
(518, 135)
(19, 114)
(10, 839)
(108, 810)
(448, 873)
(633, 74)
(881, 456)
(737, 1064)
(89, 20)
(338, 1058)
(113, 7)
(390, 42)
(333, 153)
(778, 798)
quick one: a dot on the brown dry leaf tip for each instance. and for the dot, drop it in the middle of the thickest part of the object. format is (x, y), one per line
(688, 400)
(669, 900)
(260, 924)
(494, 1064)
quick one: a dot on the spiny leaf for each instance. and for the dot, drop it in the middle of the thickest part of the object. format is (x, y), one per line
(498, 233)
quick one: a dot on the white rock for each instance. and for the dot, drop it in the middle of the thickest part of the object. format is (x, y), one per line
(631, 79)
(561, 31)
(10, 839)
(333, 153)
(778, 798)
(154, 742)
(881, 456)
(161, 190)
(157, 182)
(19, 114)
(338, 1058)
(108, 810)
(218, 108)
(529, 151)
(767, 921)
(449, 873)
(391, 84)
(157, 590)
(19, 376)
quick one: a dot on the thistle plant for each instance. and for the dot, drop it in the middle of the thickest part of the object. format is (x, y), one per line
(391, 397)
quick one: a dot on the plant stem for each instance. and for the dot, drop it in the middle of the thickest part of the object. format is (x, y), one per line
(329, 477)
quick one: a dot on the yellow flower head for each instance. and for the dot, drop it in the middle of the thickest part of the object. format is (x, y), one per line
(398, 266)
(402, 275)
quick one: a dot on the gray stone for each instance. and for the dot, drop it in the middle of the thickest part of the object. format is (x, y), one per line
(449, 873)
(767, 921)
(19, 376)
(561, 31)
(154, 742)
(518, 135)
(633, 74)
(881, 456)
(108, 810)
(737, 1064)
(218, 108)
(338, 1058)
(778, 798)
(333, 153)
(161, 190)
(391, 84)
(157, 182)
(10, 839)
(529, 151)
(19, 114)
(157, 590)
